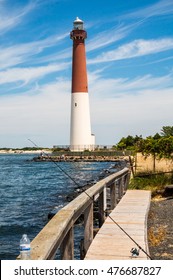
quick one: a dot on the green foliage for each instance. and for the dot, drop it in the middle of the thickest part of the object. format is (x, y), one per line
(167, 131)
(129, 142)
(59, 149)
(157, 136)
(149, 146)
(30, 148)
(165, 145)
(160, 146)
(151, 182)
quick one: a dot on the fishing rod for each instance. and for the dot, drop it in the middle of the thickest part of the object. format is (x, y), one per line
(134, 251)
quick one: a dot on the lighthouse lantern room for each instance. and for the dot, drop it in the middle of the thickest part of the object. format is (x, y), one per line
(78, 24)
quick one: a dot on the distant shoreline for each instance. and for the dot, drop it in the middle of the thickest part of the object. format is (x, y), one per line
(19, 152)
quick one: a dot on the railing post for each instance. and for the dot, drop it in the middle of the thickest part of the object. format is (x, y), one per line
(67, 246)
(102, 206)
(126, 181)
(88, 227)
(119, 183)
(121, 186)
(113, 195)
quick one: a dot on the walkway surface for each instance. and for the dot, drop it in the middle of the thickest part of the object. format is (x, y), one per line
(131, 214)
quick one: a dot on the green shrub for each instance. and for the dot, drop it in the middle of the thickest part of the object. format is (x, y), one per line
(153, 182)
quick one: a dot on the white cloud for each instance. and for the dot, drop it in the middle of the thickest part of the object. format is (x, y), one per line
(42, 113)
(135, 48)
(108, 37)
(163, 7)
(10, 18)
(29, 74)
(129, 106)
(17, 54)
(144, 114)
(125, 86)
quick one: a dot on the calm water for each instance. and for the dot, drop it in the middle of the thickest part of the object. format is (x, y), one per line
(30, 190)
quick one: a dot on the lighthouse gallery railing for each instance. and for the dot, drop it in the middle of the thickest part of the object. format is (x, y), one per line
(58, 232)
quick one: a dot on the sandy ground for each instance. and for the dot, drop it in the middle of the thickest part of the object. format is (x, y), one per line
(160, 229)
(160, 219)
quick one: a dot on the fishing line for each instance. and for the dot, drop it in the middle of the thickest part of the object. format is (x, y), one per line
(51, 159)
(140, 248)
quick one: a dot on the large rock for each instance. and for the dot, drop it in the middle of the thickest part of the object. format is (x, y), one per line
(168, 191)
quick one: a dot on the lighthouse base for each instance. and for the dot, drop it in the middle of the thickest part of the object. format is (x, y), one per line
(81, 138)
(82, 148)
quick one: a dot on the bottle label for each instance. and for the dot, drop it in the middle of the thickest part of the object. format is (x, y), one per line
(25, 247)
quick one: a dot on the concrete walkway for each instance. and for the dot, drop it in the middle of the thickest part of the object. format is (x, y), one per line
(131, 214)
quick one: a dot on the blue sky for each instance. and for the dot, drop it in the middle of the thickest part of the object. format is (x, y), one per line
(129, 60)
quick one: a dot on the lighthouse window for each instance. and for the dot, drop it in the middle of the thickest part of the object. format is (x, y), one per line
(75, 104)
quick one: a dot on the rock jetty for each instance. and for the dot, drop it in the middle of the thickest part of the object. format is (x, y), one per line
(92, 158)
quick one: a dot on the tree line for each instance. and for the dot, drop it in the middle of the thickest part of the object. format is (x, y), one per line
(160, 145)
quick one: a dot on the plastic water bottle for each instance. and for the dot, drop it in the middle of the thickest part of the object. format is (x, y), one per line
(25, 248)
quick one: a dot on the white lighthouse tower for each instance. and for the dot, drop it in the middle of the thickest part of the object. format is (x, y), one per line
(80, 129)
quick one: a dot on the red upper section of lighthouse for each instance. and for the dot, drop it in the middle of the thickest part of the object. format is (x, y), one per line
(79, 71)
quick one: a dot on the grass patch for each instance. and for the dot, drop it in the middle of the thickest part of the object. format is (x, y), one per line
(152, 182)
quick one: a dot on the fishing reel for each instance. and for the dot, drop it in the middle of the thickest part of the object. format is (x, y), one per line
(134, 252)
